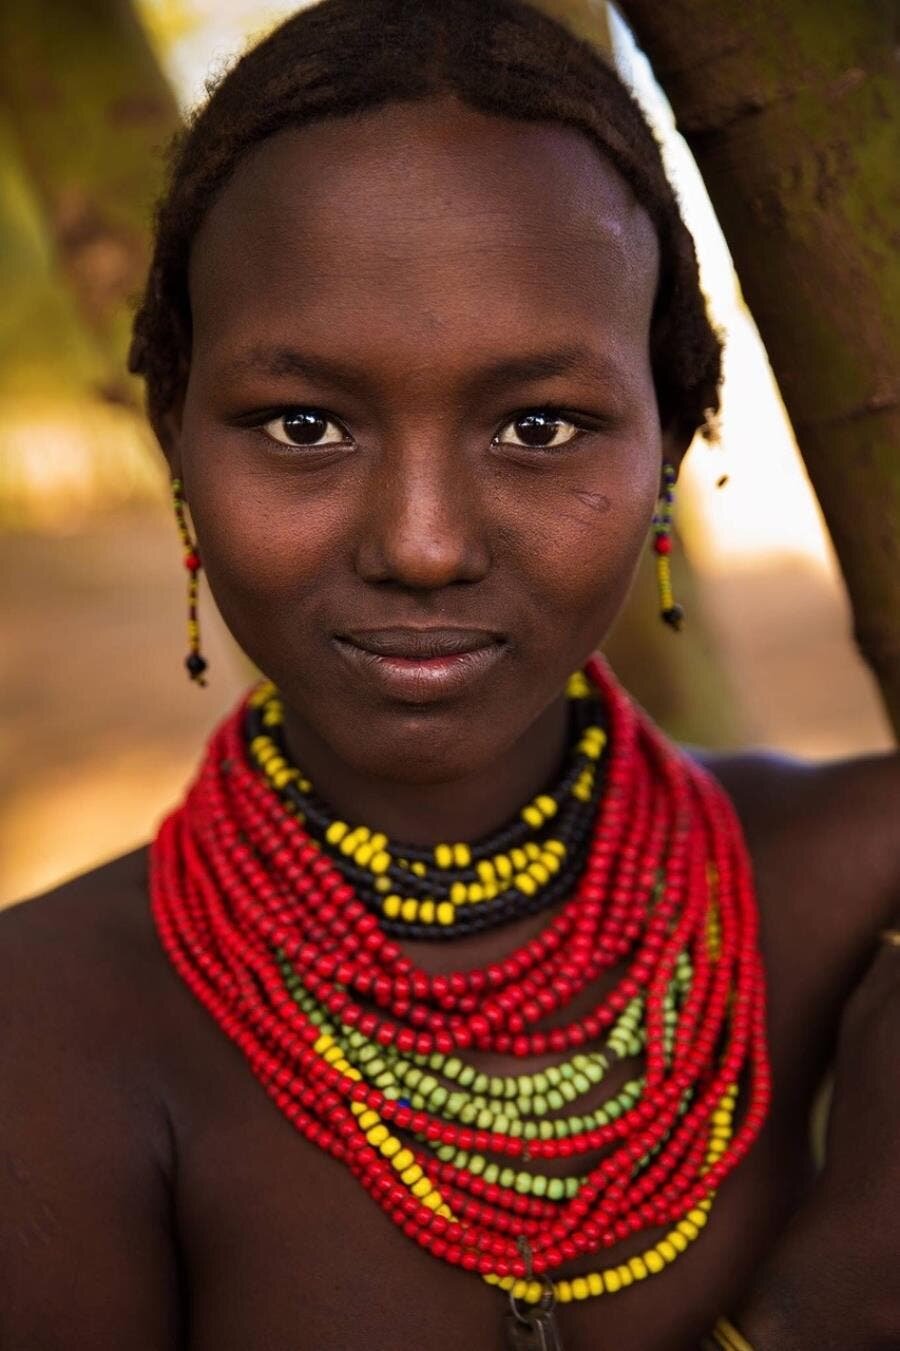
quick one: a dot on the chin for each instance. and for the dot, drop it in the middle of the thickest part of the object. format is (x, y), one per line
(413, 747)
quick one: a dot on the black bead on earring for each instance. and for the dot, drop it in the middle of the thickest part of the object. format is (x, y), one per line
(670, 613)
(195, 663)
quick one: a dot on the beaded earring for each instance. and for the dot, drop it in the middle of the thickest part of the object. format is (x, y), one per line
(195, 663)
(670, 613)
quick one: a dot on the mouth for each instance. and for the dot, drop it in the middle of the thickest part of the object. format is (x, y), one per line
(421, 665)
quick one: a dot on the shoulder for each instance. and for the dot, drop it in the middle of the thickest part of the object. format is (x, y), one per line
(88, 938)
(825, 847)
(96, 905)
(88, 993)
(783, 795)
(85, 1140)
(838, 818)
(77, 967)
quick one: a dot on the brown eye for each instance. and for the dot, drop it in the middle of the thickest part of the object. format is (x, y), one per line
(303, 427)
(541, 430)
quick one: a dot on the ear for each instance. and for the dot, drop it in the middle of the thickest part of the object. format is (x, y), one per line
(675, 444)
(167, 429)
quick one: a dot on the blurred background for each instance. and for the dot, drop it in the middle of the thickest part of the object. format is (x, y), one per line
(99, 726)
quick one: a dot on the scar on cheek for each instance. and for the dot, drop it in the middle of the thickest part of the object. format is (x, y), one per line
(597, 502)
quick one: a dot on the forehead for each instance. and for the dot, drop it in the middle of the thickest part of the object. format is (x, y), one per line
(424, 223)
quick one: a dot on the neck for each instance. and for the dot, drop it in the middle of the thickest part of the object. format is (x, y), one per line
(465, 808)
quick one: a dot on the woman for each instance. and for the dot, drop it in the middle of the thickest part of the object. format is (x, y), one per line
(424, 347)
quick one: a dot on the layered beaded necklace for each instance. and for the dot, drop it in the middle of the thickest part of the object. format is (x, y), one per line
(284, 922)
(453, 889)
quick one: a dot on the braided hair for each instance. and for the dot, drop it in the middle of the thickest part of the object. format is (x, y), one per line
(501, 57)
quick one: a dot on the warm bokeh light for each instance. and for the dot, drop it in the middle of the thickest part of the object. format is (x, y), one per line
(101, 727)
(767, 507)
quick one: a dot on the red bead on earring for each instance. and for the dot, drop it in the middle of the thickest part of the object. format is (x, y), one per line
(195, 663)
(671, 614)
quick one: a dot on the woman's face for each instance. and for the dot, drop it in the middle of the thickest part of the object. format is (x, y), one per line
(420, 398)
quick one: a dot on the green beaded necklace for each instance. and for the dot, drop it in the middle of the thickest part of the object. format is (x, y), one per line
(517, 1105)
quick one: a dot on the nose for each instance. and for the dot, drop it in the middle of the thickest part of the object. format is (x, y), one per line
(424, 524)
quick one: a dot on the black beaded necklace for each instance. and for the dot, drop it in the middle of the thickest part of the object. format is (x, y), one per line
(452, 890)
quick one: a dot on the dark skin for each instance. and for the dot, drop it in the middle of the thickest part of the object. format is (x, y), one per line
(151, 1195)
(457, 257)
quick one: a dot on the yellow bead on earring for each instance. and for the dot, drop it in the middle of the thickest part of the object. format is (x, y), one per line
(195, 663)
(671, 614)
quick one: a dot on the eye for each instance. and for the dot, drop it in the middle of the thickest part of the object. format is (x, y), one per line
(540, 428)
(304, 427)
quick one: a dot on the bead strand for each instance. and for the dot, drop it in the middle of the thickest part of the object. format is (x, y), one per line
(365, 1053)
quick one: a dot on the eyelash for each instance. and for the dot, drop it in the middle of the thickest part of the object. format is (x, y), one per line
(552, 411)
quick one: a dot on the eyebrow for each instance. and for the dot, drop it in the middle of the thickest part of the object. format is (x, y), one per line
(491, 378)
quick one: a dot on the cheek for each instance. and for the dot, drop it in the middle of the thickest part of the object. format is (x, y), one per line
(271, 573)
(265, 539)
(279, 544)
(581, 547)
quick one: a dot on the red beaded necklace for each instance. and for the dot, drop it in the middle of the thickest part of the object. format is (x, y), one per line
(241, 895)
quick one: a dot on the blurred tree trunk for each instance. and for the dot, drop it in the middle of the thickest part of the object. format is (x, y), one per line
(677, 677)
(792, 111)
(43, 343)
(588, 18)
(90, 111)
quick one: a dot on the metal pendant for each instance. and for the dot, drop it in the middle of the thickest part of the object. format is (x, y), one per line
(532, 1327)
(535, 1331)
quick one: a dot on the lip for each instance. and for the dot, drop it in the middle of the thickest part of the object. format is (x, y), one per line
(419, 665)
(419, 643)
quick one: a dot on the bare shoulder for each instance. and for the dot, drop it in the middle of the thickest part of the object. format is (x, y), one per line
(84, 955)
(843, 804)
(824, 838)
(105, 905)
(86, 1251)
(841, 816)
